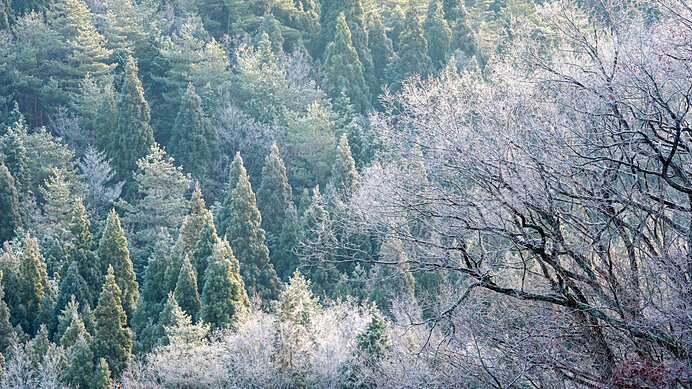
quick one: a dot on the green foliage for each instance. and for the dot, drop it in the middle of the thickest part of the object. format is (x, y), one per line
(437, 33)
(133, 136)
(246, 237)
(345, 177)
(204, 249)
(344, 68)
(274, 196)
(80, 365)
(193, 142)
(9, 206)
(186, 293)
(392, 282)
(74, 330)
(102, 376)
(412, 57)
(113, 251)
(79, 252)
(112, 340)
(224, 299)
(6, 330)
(73, 286)
(381, 48)
(33, 284)
(285, 259)
(106, 121)
(373, 341)
(463, 37)
(14, 153)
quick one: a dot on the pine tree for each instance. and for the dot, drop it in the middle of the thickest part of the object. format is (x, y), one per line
(274, 196)
(113, 252)
(247, 240)
(6, 330)
(463, 37)
(412, 57)
(373, 342)
(205, 249)
(236, 170)
(106, 122)
(14, 153)
(79, 251)
(74, 331)
(286, 260)
(272, 28)
(135, 136)
(73, 286)
(186, 293)
(102, 376)
(33, 283)
(9, 206)
(80, 366)
(396, 27)
(437, 33)
(112, 340)
(344, 174)
(65, 318)
(380, 47)
(224, 299)
(344, 69)
(193, 141)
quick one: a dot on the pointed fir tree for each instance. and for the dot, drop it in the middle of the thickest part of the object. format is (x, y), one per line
(134, 135)
(112, 340)
(392, 282)
(33, 284)
(272, 28)
(344, 174)
(80, 364)
(65, 318)
(186, 293)
(46, 315)
(113, 251)
(9, 206)
(373, 342)
(274, 196)
(205, 249)
(463, 37)
(247, 240)
(380, 47)
(286, 260)
(193, 145)
(224, 299)
(437, 33)
(102, 376)
(412, 57)
(236, 170)
(73, 286)
(74, 331)
(6, 330)
(344, 69)
(106, 122)
(79, 251)
(14, 153)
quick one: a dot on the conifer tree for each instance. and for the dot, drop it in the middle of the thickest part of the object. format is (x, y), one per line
(463, 37)
(14, 154)
(112, 340)
(373, 342)
(65, 317)
(106, 122)
(74, 331)
(396, 27)
(186, 293)
(224, 298)
(73, 286)
(9, 206)
(193, 141)
(272, 28)
(113, 251)
(80, 364)
(380, 47)
(246, 237)
(286, 260)
(344, 68)
(412, 57)
(390, 282)
(274, 196)
(204, 249)
(79, 251)
(33, 283)
(134, 135)
(437, 33)
(344, 173)
(6, 330)
(451, 10)
(167, 318)
(102, 376)
(236, 170)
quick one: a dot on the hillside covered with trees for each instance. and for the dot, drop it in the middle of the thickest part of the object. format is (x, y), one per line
(345, 194)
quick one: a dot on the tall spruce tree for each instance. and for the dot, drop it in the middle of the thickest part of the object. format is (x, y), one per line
(134, 135)
(113, 251)
(74, 330)
(285, 260)
(205, 249)
(437, 33)
(344, 174)
(463, 37)
(9, 206)
(186, 293)
(6, 330)
(112, 341)
(344, 68)
(224, 298)
(33, 284)
(14, 154)
(79, 251)
(380, 47)
(236, 170)
(412, 57)
(73, 286)
(80, 366)
(274, 196)
(193, 141)
(247, 240)
(102, 376)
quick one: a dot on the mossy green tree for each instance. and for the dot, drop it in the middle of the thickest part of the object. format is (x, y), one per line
(113, 251)
(73, 287)
(9, 206)
(6, 330)
(186, 293)
(437, 33)
(224, 299)
(246, 237)
(112, 340)
(79, 251)
(274, 196)
(102, 376)
(285, 260)
(74, 330)
(33, 284)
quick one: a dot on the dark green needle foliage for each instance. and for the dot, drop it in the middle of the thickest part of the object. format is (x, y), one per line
(9, 205)
(412, 57)
(437, 33)
(204, 249)
(102, 376)
(186, 293)
(224, 299)
(274, 196)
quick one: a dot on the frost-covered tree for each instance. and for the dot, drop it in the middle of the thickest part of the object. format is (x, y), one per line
(97, 172)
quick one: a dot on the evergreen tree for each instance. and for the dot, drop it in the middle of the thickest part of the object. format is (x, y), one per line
(106, 122)
(33, 284)
(134, 135)
(224, 299)
(6, 330)
(392, 282)
(380, 47)
(286, 260)
(80, 364)
(396, 27)
(373, 342)
(236, 170)
(272, 28)
(74, 331)
(247, 240)
(112, 340)
(412, 57)
(437, 33)
(58, 207)
(113, 252)
(79, 251)
(463, 37)
(9, 206)
(65, 318)
(274, 196)
(14, 154)
(186, 293)
(102, 376)
(205, 249)
(344, 69)
(193, 141)
(344, 173)
(451, 10)
(98, 174)
(73, 286)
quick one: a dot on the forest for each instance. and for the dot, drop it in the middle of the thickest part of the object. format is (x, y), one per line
(346, 194)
